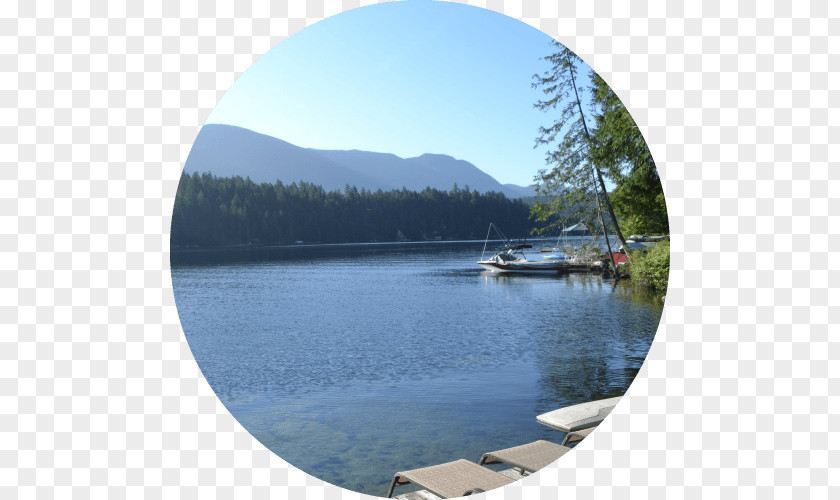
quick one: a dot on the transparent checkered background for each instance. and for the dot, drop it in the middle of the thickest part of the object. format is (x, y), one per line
(100, 395)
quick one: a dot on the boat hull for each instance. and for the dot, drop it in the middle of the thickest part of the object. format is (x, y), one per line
(525, 267)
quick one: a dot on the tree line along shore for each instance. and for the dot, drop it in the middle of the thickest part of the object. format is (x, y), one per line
(223, 211)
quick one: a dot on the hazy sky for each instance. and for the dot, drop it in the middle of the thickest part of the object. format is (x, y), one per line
(406, 78)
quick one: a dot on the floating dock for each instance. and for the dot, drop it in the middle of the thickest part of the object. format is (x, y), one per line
(425, 495)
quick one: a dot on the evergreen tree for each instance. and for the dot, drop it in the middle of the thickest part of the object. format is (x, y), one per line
(623, 153)
(573, 166)
(582, 156)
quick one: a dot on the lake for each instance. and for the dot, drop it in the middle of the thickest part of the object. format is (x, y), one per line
(353, 362)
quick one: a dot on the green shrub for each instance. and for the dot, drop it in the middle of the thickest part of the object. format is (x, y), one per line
(651, 269)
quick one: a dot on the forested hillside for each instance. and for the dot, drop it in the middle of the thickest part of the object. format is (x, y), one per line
(212, 210)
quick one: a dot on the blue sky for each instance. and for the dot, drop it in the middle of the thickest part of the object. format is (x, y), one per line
(406, 78)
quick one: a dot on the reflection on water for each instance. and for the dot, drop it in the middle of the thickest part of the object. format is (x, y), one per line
(355, 361)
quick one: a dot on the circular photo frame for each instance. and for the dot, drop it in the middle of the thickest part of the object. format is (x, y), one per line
(341, 261)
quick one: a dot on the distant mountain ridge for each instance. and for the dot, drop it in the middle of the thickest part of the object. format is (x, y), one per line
(227, 151)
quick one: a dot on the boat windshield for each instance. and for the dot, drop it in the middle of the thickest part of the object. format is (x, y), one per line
(507, 256)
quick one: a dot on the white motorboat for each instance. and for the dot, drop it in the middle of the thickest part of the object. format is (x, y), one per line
(510, 258)
(642, 242)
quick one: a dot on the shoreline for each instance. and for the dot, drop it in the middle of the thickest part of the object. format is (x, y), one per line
(360, 243)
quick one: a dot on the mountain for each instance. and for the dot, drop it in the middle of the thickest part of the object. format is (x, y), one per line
(226, 151)
(524, 191)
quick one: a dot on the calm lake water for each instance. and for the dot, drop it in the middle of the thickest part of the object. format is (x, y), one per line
(353, 362)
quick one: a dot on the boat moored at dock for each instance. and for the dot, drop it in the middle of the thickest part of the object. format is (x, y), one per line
(510, 258)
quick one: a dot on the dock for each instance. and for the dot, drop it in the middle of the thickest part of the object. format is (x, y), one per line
(425, 495)
(583, 268)
(462, 477)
